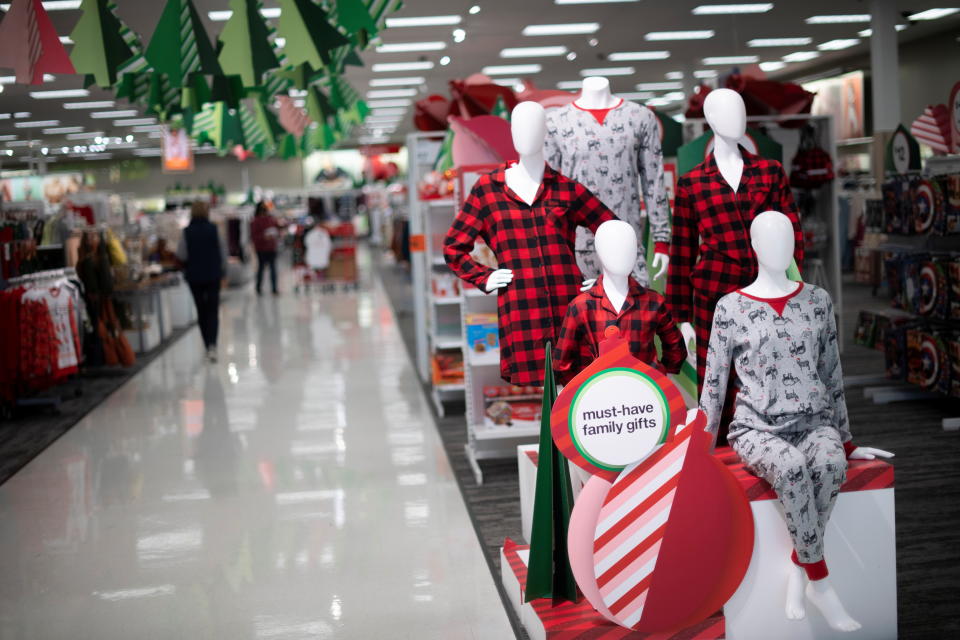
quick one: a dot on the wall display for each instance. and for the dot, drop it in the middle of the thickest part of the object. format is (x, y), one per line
(842, 98)
(52, 189)
(177, 150)
(615, 153)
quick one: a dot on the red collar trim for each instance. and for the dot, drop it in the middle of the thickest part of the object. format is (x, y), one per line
(778, 304)
(599, 114)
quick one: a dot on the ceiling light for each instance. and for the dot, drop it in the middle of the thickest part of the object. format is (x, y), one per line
(397, 82)
(658, 102)
(123, 113)
(705, 74)
(147, 152)
(508, 69)
(8, 79)
(674, 75)
(270, 12)
(134, 122)
(54, 5)
(568, 85)
(459, 35)
(280, 42)
(66, 40)
(7, 138)
(5, 116)
(100, 104)
(19, 143)
(866, 33)
(21, 114)
(223, 16)
(592, 1)
(572, 28)
(570, 56)
(636, 95)
(779, 42)
(593, 42)
(773, 65)
(35, 124)
(391, 93)
(96, 156)
(405, 102)
(62, 130)
(475, 9)
(659, 86)
(147, 128)
(933, 14)
(722, 9)
(84, 136)
(674, 95)
(837, 45)
(680, 35)
(729, 60)
(839, 18)
(405, 47)
(402, 66)
(532, 52)
(506, 82)
(608, 71)
(59, 93)
(801, 56)
(624, 56)
(444, 61)
(424, 21)
(398, 111)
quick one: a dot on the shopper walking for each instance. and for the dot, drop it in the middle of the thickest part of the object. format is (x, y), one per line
(205, 259)
(265, 233)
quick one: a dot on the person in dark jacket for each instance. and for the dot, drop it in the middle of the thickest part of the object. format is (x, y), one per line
(265, 232)
(205, 260)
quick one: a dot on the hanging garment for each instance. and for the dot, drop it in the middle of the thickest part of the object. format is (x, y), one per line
(710, 253)
(318, 247)
(644, 315)
(535, 241)
(615, 155)
(67, 337)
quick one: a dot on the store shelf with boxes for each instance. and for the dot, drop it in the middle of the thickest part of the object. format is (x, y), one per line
(914, 253)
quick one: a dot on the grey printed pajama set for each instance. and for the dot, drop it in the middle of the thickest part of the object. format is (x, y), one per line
(615, 153)
(790, 419)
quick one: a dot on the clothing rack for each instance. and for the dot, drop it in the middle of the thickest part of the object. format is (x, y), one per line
(39, 276)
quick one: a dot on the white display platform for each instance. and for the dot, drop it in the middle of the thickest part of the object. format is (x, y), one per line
(860, 553)
(527, 468)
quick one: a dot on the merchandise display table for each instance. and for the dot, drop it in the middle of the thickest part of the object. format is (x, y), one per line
(860, 551)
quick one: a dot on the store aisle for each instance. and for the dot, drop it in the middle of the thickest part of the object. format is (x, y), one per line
(298, 489)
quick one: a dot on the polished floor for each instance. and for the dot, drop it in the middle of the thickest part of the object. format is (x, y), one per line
(297, 489)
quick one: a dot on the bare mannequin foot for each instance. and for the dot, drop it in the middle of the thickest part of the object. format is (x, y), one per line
(823, 596)
(795, 605)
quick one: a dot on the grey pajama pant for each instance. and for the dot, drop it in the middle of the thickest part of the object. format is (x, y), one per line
(806, 469)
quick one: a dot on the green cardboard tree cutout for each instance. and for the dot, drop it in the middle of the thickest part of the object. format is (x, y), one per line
(309, 35)
(549, 574)
(180, 46)
(246, 50)
(100, 48)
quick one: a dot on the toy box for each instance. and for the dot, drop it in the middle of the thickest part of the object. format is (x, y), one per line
(483, 334)
(510, 406)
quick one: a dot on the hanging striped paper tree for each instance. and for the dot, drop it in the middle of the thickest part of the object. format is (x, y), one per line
(219, 126)
(29, 43)
(100, 48)
(246, 50)
(308, 33)
(261, 131)
(180, 46)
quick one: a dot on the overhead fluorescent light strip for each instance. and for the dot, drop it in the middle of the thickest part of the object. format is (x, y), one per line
(533, 52)
(223, 16)
(383, 67)
(839, 18)
(7, 138)
(509, 69)
(59, 93)
(62, 130)
(424, 21)
(134, 122)
(779, 42)
(35, 124)
(866, 33)
(397, 82)
(933, 14)
(399, 111)
(89, 135)
(562, 2)
(659, 86)
(568, 85)
(773, 65)
(724, 60)
(98, 104)
(703, 74)
(636, 95)
(52, 5)
(837, 45)
(801, 56)
(123, 113)
(391, 93)
(376, 104)
(407, 47)
(725, 9)
(569, 29)
(704, 34)
(627, 56)
(608, 71)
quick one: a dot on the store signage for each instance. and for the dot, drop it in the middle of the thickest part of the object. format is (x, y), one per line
(177, 149)
(903, 152)
(418, 243)
(954, 107)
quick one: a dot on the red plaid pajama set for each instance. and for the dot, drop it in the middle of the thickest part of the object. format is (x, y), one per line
(644, 315)
(710, 253)
(536, 242)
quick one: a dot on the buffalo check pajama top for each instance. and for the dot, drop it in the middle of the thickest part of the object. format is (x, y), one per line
(644, 315)
(790, 422)
(534, 241)
(710, 253)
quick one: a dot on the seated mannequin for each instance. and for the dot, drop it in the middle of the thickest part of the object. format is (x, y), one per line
(617, 299)
(790, 420)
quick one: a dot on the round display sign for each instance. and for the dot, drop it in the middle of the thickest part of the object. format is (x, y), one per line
(901, 152)
(618, 417)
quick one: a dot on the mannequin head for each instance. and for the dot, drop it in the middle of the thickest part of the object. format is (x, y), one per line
(528, 124)
(616, 244)
(596, 84)
(726, 114)
(771, 235)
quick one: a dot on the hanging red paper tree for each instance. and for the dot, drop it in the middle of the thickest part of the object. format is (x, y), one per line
(29, 44)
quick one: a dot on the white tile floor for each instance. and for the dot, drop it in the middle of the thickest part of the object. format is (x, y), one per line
(297, 489)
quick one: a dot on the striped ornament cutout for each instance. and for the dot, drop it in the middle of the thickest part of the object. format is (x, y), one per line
(631, 526)
(933, 128)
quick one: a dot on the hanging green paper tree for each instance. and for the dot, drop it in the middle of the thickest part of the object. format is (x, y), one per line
(308, 33)
(219, 126)
(444, 159)
(180, 45)
(260, 133)
(549, 574)
(500, 109)
(246, 50)
(100, 47)
(354, 16)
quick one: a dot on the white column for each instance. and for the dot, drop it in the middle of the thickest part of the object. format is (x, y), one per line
(885, 65)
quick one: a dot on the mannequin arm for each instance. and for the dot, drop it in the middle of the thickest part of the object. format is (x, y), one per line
(660, 263)
(868, 453)
(498, 280)
(689, 337)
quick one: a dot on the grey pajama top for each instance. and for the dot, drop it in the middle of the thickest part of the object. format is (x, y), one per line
(615, 161)
(788, 364)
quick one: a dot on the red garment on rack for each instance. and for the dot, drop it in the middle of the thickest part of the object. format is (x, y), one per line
(9, 342)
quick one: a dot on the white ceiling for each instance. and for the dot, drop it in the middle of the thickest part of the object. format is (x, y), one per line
(496, 26)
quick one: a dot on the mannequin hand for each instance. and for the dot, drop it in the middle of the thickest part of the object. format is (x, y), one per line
(660, 263)
(689, 338)
(588, 284)
(869, 453)
(498, 279)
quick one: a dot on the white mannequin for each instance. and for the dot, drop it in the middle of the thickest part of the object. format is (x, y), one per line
(771, 235)
(616, 245)
(727, 116)
(528, 126)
